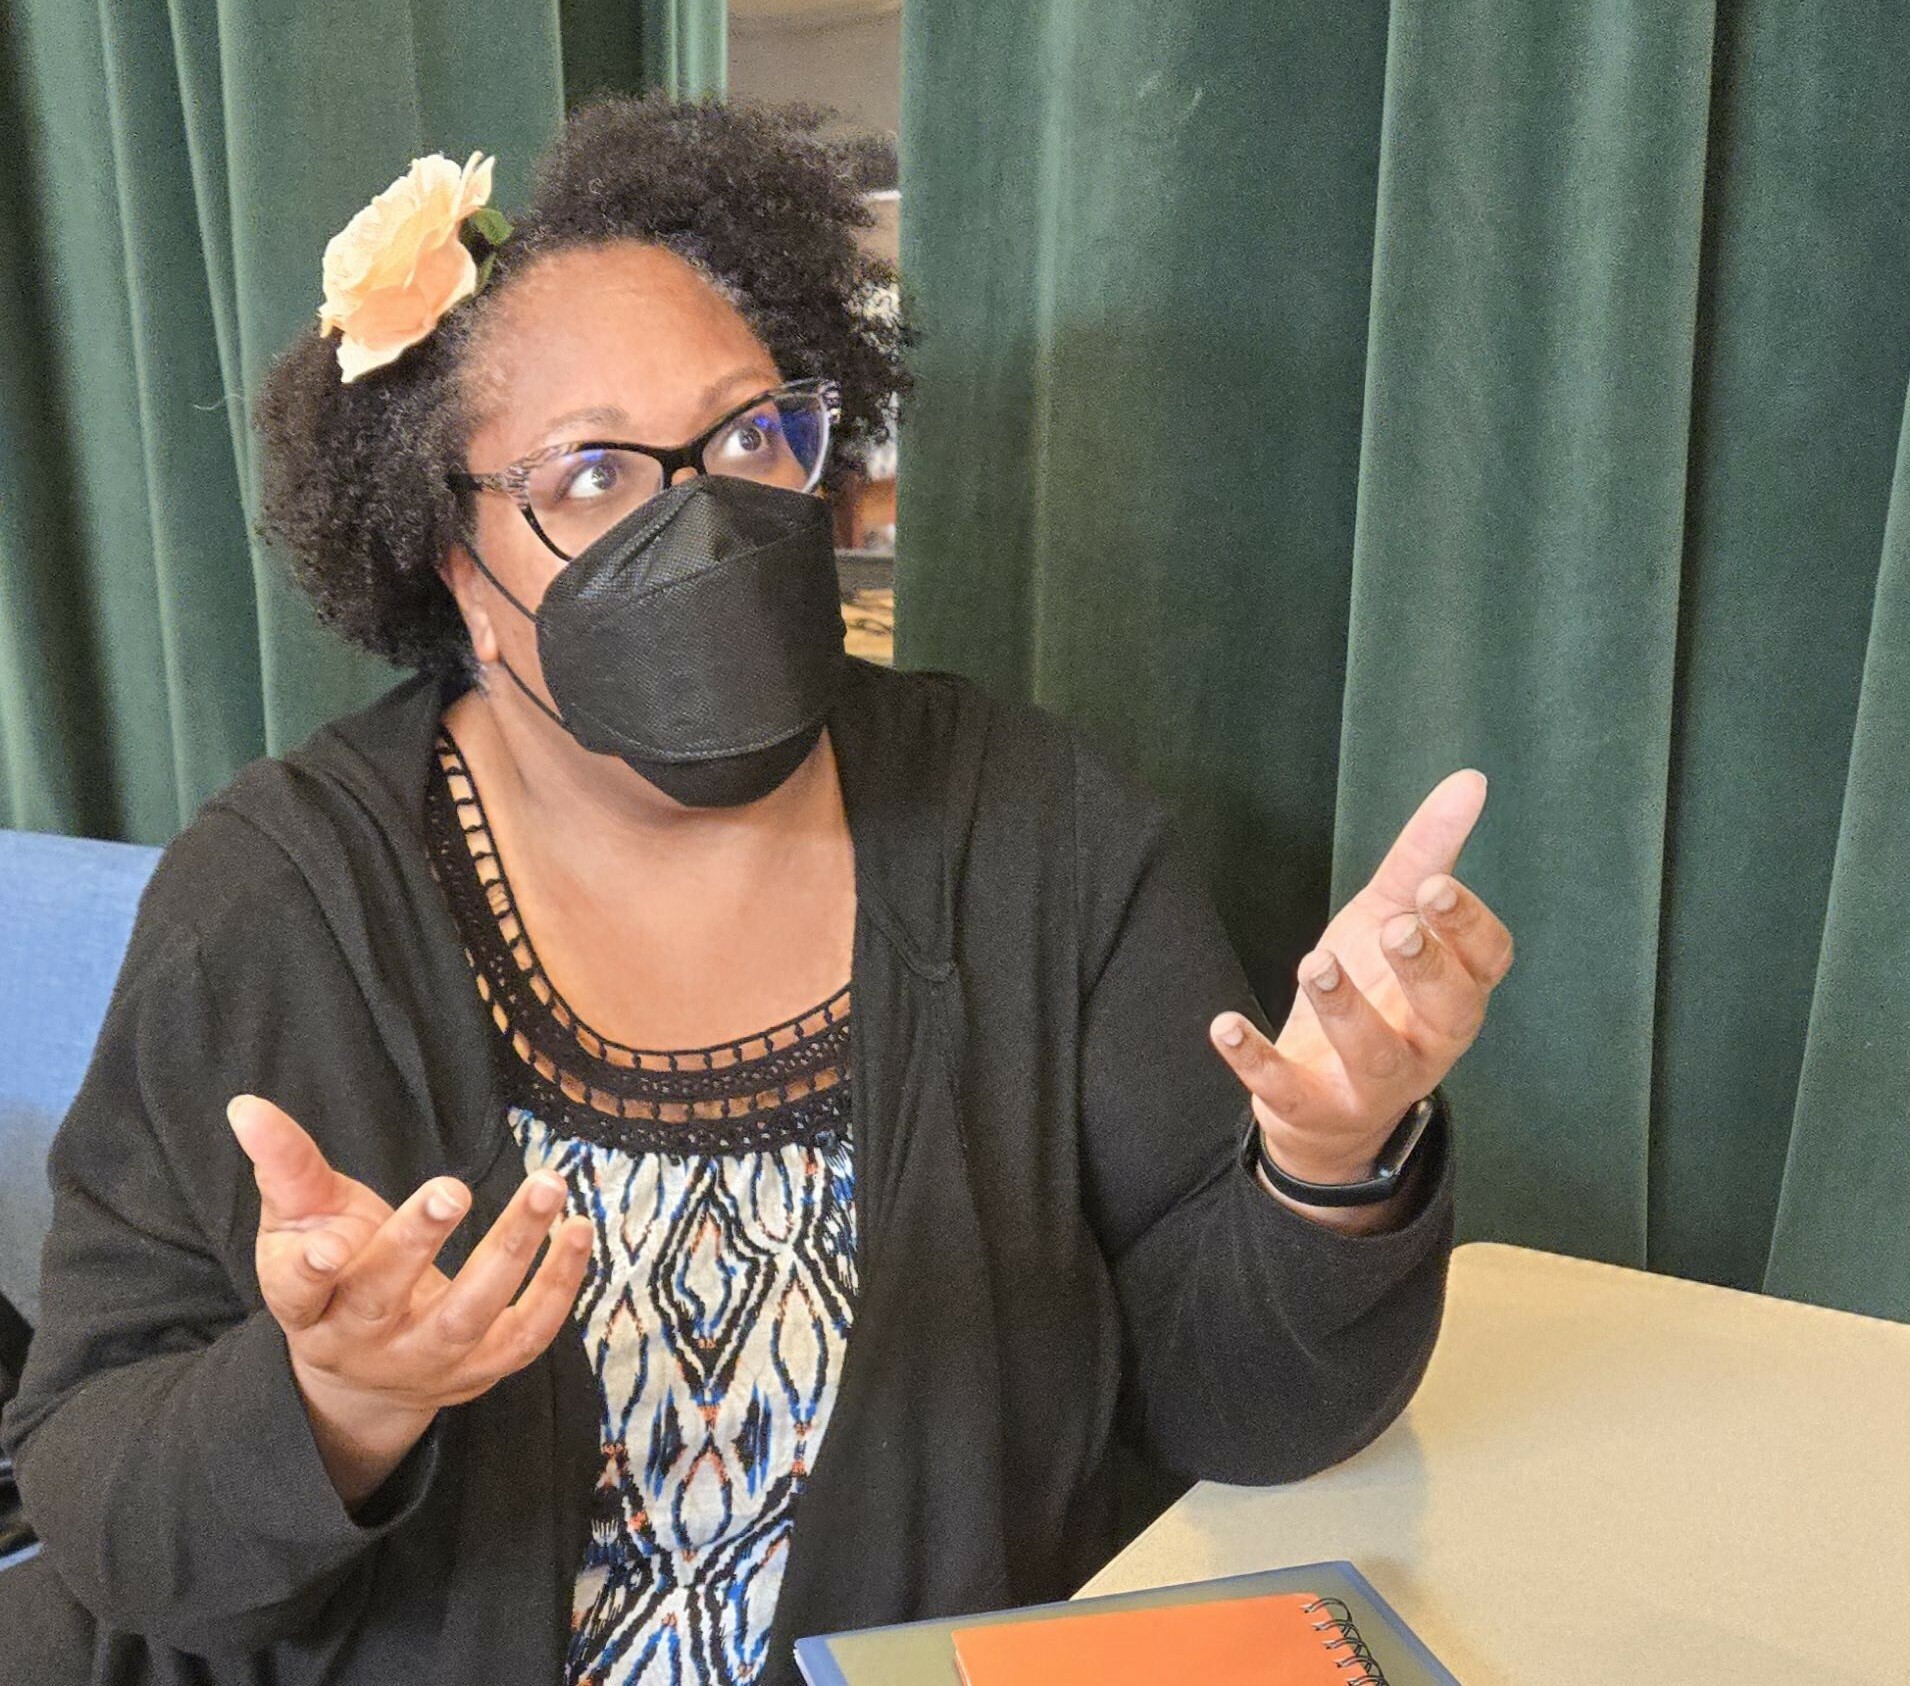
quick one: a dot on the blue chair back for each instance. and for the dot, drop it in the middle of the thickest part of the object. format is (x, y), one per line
(66, 910)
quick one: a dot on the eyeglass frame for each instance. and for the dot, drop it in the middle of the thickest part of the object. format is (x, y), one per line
(514, 479)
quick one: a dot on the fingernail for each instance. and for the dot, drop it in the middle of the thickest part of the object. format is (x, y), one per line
(1326, 978)
(231, 1114)
(1412, 941)
(317, 1258)
(1233, 1033)
(440, 1204)
(1445, 898)
(547, 1193)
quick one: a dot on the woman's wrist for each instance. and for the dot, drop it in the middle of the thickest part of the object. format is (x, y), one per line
(1348, 1220)
(361, 1438)
(1306, 1161)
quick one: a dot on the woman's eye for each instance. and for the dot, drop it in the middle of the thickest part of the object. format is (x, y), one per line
(752, 436)
(594, 476)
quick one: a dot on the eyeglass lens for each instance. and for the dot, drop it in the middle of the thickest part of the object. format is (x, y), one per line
(579, 496)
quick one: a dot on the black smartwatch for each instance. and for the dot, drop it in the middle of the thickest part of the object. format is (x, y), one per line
(1389, 1170)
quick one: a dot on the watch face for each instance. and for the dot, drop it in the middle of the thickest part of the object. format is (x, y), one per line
(1405, 1139)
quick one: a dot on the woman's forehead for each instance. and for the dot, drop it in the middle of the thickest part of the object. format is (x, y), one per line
(615, 328)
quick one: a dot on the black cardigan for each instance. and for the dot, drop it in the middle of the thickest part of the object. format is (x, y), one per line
(1059, 1245)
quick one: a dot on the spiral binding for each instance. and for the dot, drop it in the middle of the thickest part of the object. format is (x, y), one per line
(1346, 1637)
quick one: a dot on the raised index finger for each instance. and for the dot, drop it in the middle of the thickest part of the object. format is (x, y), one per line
(295, 1182)
(1431, 840)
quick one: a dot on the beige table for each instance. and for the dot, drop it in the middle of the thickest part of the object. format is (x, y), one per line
(1609, 1477)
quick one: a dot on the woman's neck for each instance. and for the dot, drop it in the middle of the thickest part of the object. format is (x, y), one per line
(587, 819)
(664, 926)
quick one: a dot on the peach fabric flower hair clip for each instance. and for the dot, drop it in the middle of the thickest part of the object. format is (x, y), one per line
(394, 270)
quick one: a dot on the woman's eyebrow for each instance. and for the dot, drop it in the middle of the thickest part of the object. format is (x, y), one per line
(606, 415)
(610, 415)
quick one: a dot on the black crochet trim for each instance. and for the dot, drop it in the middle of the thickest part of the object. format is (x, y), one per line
(723, 1098)
(820, 1120)
(818, 1116)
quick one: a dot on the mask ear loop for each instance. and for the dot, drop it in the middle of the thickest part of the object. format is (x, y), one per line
(510, 597)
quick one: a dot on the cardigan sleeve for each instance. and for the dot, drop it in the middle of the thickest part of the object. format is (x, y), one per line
(1260, 1346)
(161, 1445)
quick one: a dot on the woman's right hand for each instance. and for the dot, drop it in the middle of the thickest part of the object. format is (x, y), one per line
(380, 1338)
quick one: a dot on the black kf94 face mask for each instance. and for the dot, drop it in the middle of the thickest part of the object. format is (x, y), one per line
(700, 639)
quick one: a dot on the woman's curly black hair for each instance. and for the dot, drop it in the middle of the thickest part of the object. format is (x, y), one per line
(353, 474)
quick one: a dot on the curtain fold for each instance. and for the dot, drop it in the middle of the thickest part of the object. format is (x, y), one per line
(1840, 1236)
(1799, 390)
(1313, 402)
(1137, 240)
(680, 46)
(1516, 565)
(170, 174)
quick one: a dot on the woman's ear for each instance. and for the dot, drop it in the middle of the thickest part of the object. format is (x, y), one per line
(460, 578)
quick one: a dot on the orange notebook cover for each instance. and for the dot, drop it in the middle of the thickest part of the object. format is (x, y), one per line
(1283, 1639)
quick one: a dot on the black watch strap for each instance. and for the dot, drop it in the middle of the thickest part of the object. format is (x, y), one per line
(1389, 1170)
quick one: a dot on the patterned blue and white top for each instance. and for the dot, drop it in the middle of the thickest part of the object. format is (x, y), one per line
(717, 1305)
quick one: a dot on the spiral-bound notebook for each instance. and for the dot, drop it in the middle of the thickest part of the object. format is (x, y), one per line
(1277, 1639)
(1360, 1638)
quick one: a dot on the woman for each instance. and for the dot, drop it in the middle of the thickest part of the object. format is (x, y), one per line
(924, 1151)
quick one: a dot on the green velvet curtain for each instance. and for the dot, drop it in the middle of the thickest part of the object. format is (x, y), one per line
(1314, 400)
(169, 174)
(617, 46)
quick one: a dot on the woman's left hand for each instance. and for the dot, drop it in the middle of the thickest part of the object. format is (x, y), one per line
(1393, 994)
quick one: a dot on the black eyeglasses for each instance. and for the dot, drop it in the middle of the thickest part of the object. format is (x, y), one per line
(572, 494)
